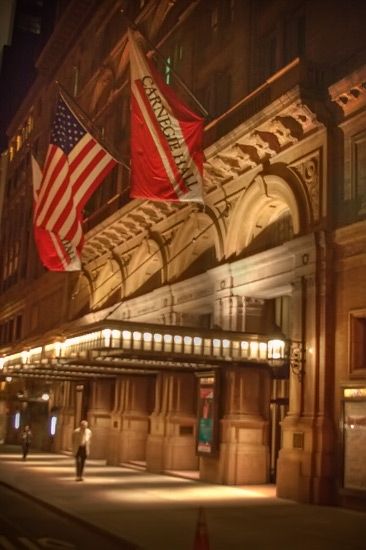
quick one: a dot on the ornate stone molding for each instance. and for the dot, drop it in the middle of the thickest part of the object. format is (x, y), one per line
(250, 148)
(126, 226)
(261, 138)
(308, 169)
(350, 92)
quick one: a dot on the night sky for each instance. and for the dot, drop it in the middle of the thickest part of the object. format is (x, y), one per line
(33, 22)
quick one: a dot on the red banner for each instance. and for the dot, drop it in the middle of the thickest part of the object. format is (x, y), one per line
(166, 137)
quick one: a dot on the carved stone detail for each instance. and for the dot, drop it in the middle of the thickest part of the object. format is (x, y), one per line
(282, 132)
(269, 138)
(217, 171)
(265, 143)
(350, 92)
(301, 114)
(238, 160)
(308, 170)
(245, 152)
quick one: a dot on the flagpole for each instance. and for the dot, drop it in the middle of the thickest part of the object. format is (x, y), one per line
(134, 26)
(88, 122)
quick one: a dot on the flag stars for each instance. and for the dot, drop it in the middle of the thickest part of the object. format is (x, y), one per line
(66, 130)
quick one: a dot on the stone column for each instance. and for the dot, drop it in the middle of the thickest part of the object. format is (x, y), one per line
(130, 419)
(290, 455)
(230, 313)
(65, 400)
(171, 442)
(306, 465)
(99, 417)
(244, 449)
(114, 439)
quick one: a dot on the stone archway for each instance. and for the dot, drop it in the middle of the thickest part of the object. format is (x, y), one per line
(198, 235)
(268, 199)
(107, 285)
(143, 265)
(81, 296)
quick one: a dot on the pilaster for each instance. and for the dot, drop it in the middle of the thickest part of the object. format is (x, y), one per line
(130, 419)
(99, 416)
(171, 441)
(306, 464)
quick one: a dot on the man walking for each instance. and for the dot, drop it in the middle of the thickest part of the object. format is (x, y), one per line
(26, 440)
(81, 447)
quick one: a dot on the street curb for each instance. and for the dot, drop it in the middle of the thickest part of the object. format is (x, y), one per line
(90, 526)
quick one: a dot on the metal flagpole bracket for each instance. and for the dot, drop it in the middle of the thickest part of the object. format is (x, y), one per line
(135, 27)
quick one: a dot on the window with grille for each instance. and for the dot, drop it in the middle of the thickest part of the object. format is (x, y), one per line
(358, 341)
(359, 166)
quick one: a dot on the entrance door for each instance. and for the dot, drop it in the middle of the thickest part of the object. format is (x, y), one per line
(278, 410)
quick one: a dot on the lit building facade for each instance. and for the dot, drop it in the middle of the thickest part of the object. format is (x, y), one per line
(224, 339)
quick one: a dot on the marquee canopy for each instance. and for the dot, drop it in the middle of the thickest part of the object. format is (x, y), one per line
(110, 348)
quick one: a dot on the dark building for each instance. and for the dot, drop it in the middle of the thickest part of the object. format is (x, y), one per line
(228, 339)
(33, 22)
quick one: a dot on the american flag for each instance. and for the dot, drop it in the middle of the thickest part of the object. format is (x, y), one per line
(75, 165)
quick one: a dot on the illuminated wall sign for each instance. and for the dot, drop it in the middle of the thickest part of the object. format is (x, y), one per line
(354, 392)
(53, 425)
(17, 420)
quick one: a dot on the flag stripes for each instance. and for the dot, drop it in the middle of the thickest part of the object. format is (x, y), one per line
(75, 166)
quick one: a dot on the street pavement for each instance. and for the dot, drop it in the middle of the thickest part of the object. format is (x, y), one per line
(26, 524)
(160, 512)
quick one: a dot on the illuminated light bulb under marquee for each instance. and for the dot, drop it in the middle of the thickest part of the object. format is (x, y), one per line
(272, 349)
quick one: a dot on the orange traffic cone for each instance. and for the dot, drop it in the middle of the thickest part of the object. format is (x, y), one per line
(201, 541)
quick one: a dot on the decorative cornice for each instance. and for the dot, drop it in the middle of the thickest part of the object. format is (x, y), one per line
(127, 223)
(260, 138)
(350, 92)
(308, 169)
(285, 122)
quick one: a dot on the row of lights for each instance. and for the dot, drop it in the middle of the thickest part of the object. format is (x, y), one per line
(271, 350)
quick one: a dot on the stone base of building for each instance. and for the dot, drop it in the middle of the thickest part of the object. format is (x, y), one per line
(169, 446)
(127, 440)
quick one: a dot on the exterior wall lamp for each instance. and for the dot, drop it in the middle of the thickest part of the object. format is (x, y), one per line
(276, 351)
(277, 357)
(290, 353)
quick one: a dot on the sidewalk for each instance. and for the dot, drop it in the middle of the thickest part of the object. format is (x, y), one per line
(158, 512)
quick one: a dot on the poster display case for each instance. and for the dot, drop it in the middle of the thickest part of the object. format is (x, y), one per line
(353, 427)
(208, 417)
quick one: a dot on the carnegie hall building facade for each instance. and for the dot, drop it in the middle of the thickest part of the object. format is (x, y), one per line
(226, 340)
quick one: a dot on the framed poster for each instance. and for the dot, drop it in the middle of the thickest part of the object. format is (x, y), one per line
(354, 439)
(207, 414)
